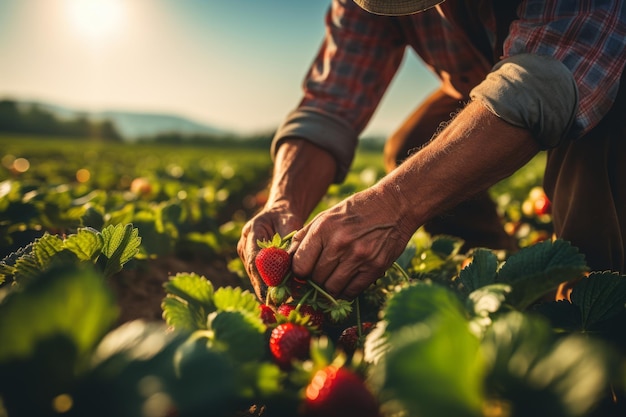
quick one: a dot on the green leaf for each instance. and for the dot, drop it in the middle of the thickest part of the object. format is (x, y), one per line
(241, 334)
(45, 248)
(539, 375)
(446, 246)
(600, 296)
(73, 302)
(258, 380)
(235, 298)
(434, 368)
(487, 299)
(417, 302)
(206, 380)
(133, 363)
(121, 244)
(87, 244)
(536, 270)
(481, 271)
(188, 301)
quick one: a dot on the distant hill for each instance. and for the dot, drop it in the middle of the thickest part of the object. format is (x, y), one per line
(134, 125)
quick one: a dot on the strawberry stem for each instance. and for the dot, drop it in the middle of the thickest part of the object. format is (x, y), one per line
(401, 270)
(289, 236)
(303, 299)
(323, 292)
(359, 324)
(267, 297)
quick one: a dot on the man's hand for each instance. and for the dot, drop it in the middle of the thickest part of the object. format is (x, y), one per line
(302, 174)
(350, 245)
(347, 247)
(262, 227)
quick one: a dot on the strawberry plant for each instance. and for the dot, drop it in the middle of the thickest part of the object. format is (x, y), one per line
(442, 332)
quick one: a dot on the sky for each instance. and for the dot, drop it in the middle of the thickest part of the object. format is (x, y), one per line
(234, 64)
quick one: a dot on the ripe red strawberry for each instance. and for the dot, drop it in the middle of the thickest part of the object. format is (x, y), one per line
(273, 264)
(316, 317)
(267, 314)
(349, 339)
(289, 341)
(338, 392)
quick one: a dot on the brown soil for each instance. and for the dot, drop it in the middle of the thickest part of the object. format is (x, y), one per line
(139, 289)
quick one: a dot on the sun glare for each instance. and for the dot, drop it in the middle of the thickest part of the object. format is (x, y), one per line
(96, 19)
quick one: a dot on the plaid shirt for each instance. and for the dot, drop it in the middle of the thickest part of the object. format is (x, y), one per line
(362, 51)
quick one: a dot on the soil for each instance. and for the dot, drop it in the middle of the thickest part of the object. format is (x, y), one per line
(139, 289)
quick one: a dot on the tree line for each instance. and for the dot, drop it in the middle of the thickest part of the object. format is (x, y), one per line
(33, 119)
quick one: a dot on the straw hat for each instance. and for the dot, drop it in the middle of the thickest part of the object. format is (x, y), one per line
(396, 7)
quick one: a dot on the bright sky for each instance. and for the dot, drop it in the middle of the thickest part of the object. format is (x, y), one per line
(234, 64)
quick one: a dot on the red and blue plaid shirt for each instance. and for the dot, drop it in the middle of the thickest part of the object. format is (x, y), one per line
(362, 51)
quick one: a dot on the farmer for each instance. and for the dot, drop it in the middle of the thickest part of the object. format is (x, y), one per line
(517, 77)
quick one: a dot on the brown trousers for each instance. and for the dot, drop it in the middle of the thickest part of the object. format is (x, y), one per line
(584, 179)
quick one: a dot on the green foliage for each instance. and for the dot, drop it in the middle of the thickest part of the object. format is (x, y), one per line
(531, 272)
(110, 249)
(464, 334)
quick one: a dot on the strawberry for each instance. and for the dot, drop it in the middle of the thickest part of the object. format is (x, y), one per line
(273, 261)
(273, 264)
(338, 392)
(267, 314)
(288, 342)
(316, 317)
(349, 339)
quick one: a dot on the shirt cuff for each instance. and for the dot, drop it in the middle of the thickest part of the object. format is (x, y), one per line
(534, 92)
(324, 130)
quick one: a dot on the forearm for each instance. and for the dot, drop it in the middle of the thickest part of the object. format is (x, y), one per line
(302, 174)
(473, 152)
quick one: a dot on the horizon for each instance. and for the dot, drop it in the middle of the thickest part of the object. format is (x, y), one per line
(235, 66)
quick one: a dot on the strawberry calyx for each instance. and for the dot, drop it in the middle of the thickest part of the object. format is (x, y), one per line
(338, 309)
(277, 241)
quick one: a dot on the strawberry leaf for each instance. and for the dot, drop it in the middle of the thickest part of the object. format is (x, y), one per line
(87, 244)
(45, 249)
(120, 244)
(425, 356)
(418, 301)
(540, 375)
(72, 302)
(188, 301)
(535, 270)
(235, 298)
(239, 333)
(481, 271)
(600, 296)
(487, 299)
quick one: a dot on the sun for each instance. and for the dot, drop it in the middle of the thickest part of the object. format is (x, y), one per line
(96, 20)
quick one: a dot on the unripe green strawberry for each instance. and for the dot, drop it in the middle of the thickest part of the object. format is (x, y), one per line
(338, 392)
(288, 342)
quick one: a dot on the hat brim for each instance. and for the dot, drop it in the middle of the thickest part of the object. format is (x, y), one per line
(396, 7)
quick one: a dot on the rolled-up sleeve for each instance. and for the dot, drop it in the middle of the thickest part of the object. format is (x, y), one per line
(534, 92)
(359, 57)
(589, 39)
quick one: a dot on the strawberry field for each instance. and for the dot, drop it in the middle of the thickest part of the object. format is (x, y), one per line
(121, 294)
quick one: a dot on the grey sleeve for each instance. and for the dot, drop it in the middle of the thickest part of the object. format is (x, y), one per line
(325, 130)
(534, 92)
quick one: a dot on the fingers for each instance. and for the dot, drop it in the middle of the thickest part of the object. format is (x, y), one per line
(247, 250)
(343, 267)
(262, 227)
